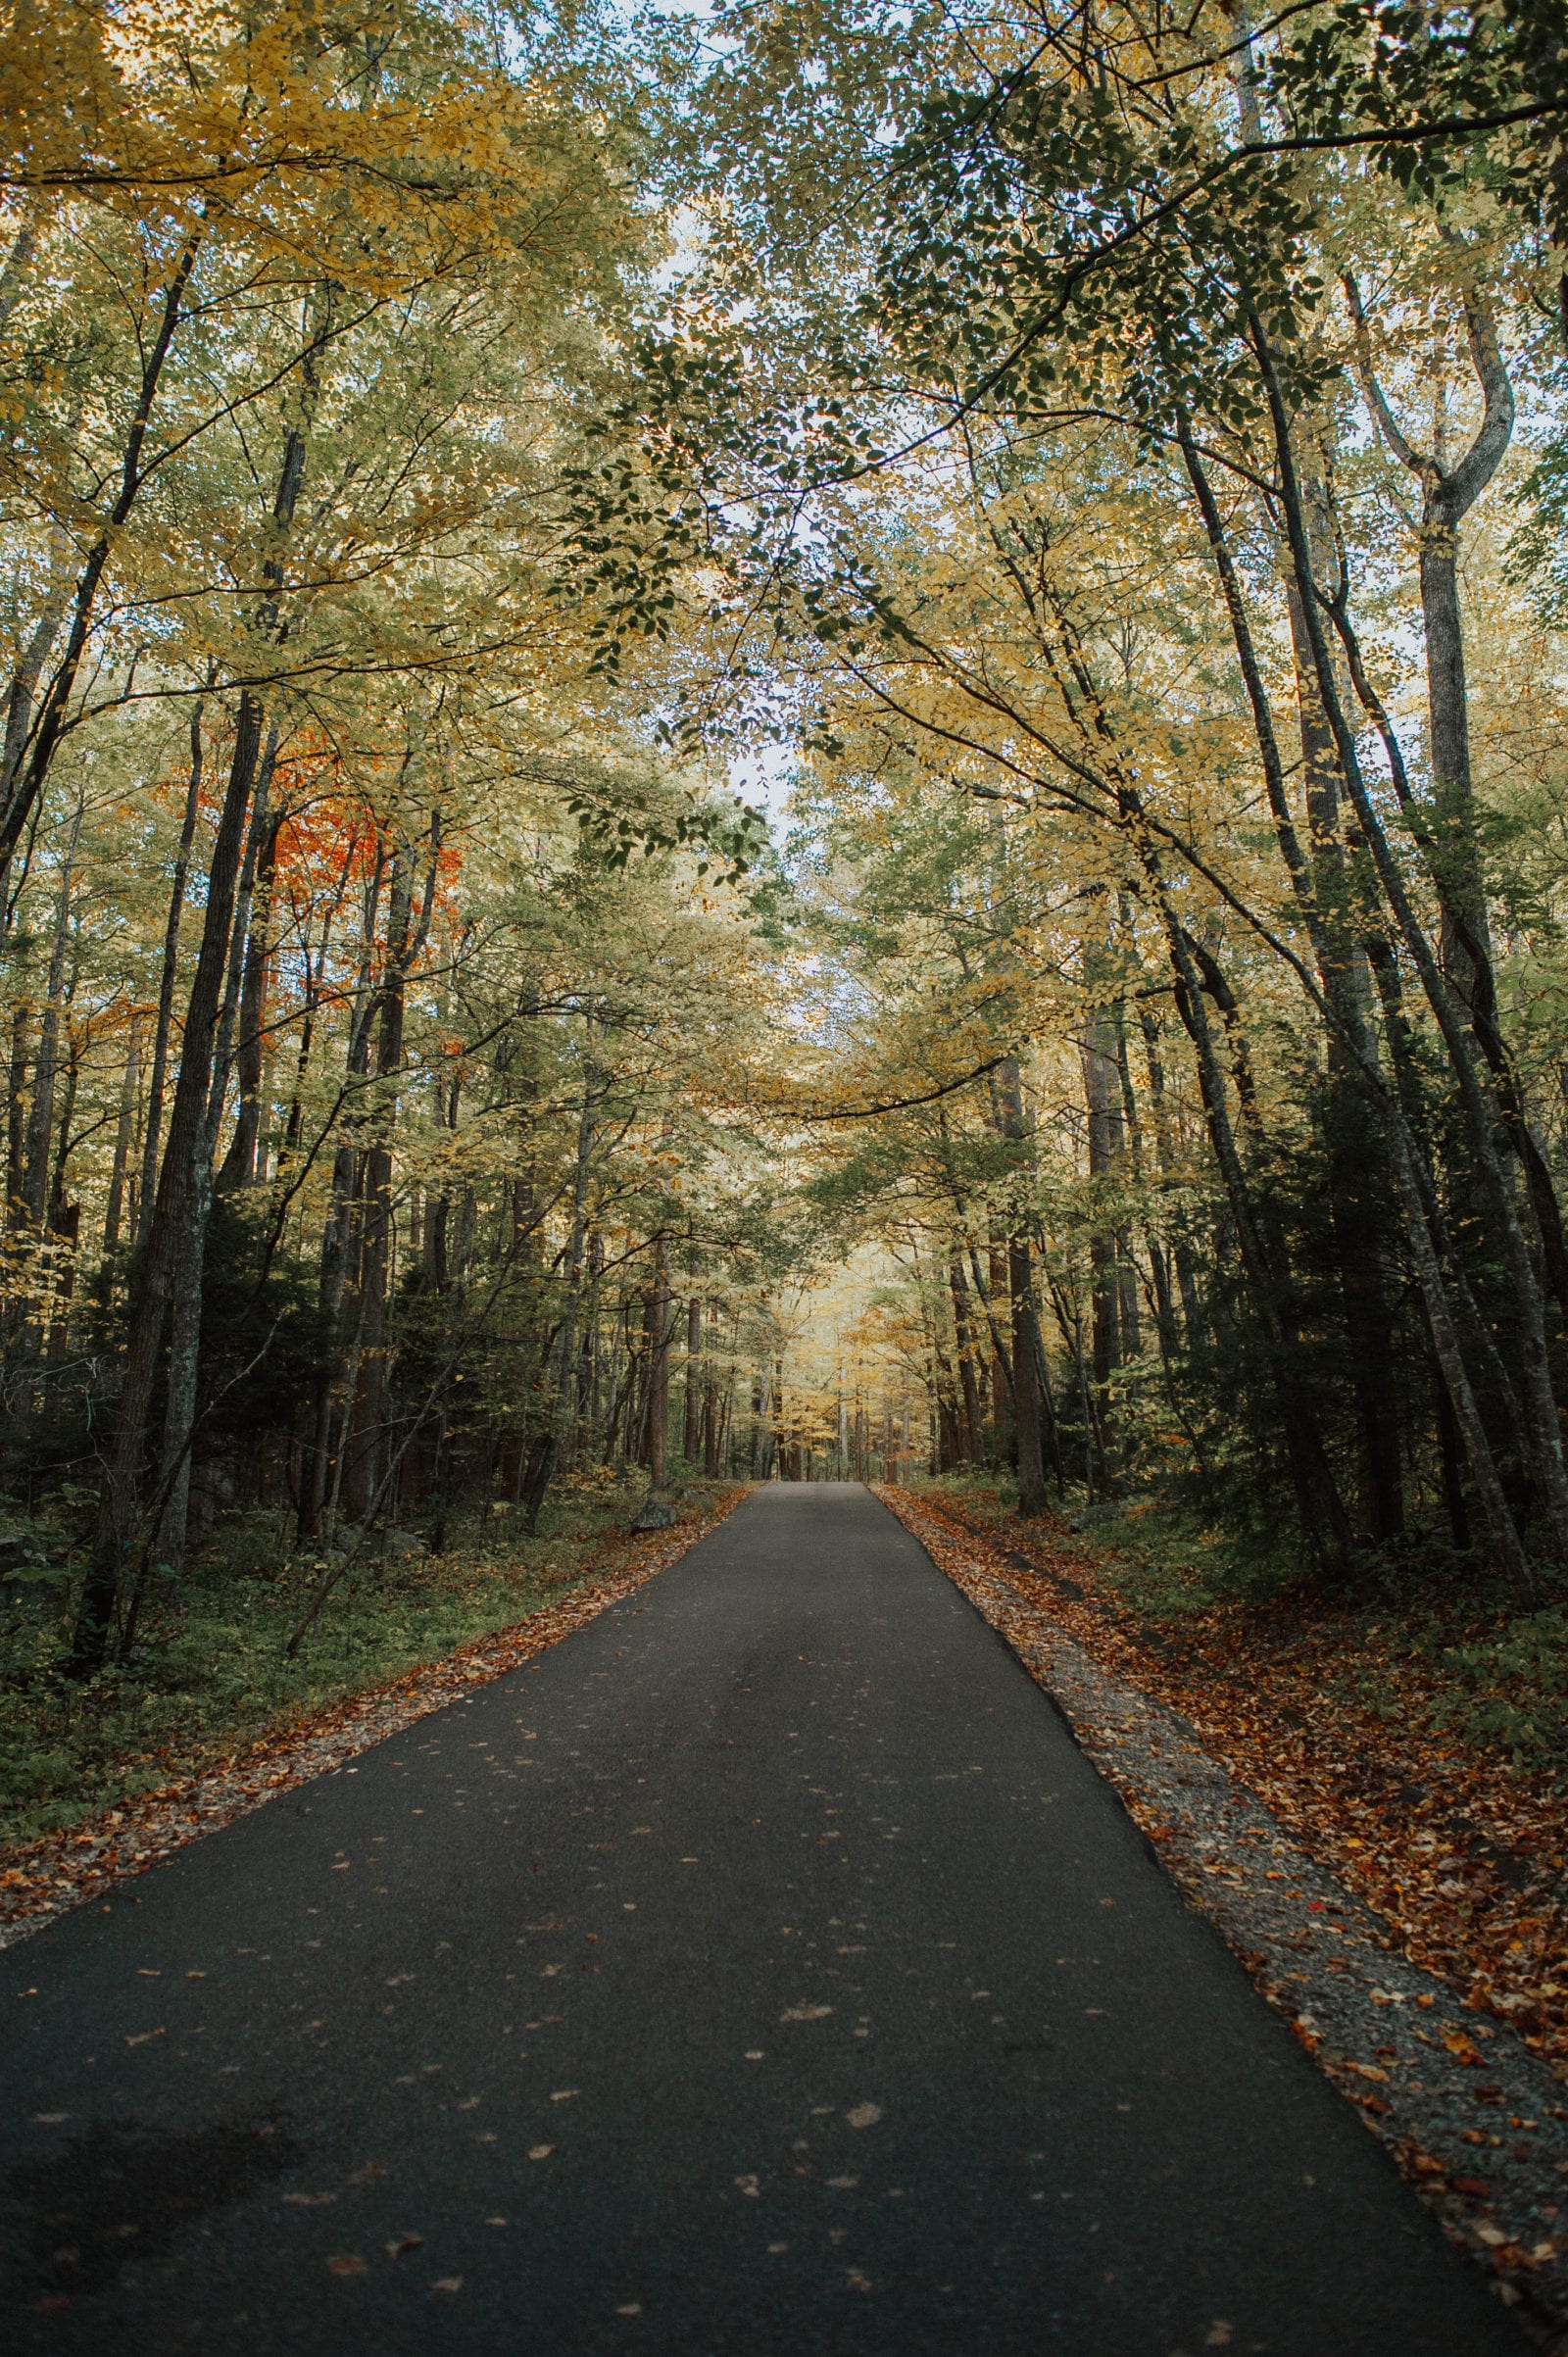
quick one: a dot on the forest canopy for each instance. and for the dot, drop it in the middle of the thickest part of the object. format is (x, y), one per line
(1098, 472)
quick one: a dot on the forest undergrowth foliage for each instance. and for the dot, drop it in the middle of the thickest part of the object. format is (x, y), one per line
(211, 1671)
(1115, 464)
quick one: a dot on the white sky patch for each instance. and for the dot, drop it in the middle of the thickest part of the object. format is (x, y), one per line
(764, 775)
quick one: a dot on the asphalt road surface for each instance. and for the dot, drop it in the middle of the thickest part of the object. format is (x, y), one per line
(764, 1971)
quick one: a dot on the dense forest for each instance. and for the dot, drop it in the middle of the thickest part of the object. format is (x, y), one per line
(824, 739)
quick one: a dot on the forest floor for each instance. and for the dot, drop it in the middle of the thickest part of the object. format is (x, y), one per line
(1292, 1766)
(211, 1716)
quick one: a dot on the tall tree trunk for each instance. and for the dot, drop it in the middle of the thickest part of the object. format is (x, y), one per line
(973, 1423)
(177, 1210)
(1028, 1353)
(655, 1447)
(762, 1435)
(1543, 1427)
(124, 1137)
(22, 1054)
(1357, 1152)
(22, 790)
(147, 1191)
(1105, 1154)
(692, 1403)
(563, 1428)
(362, 1470)
(41, 1113)
(183, 1375)
(239, 1167)
(1323, 1518)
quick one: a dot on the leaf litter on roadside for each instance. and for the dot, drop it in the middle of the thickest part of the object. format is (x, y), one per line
(1203, 1763)
(42, 1877)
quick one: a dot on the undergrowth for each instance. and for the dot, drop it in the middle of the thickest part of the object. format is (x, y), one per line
(1492, 1666)
(209, 1670)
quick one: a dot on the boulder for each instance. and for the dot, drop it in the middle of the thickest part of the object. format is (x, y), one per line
(654, 1515)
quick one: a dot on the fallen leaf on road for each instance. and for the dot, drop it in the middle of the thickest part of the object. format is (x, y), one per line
(540, 2152)
(403, 2242)
(864, 2115)
(447, 2283)
(57, 1870)
(806, 2013)
(345, 2264)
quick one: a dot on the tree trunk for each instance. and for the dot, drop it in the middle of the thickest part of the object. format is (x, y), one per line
(22, 789)
(656, 1427)
(147, 1191)
(973, 1423)
(125, 1138)
(176, 1211)
(240, 1162)
(692, 1403)
(40, 1116)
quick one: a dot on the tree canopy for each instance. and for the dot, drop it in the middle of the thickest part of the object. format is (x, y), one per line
(1104, 470)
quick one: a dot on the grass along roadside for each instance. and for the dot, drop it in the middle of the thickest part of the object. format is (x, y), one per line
(1342, 1718)
(151, 1756)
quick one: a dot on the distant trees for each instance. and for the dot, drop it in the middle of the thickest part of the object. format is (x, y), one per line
(1148, 476)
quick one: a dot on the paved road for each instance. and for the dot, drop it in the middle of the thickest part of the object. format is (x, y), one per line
(762, 1971)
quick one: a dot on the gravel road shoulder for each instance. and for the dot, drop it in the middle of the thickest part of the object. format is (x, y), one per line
(1477, 2122)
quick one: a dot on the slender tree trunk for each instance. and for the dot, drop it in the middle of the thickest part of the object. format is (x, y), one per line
(363, 1472)
(1028, 1351)
(658, 1426)
(691, 1404)
(1543, 1431)
(240, 1162)
(124, 1137)
(177, 1208)
(563, 1427)
(1105, 1153)
(41, 1113)
(147, 1191)
(22, 1054)
(23, 789)
(973, 1423)
(1323, 1518)
(1355, 1150)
